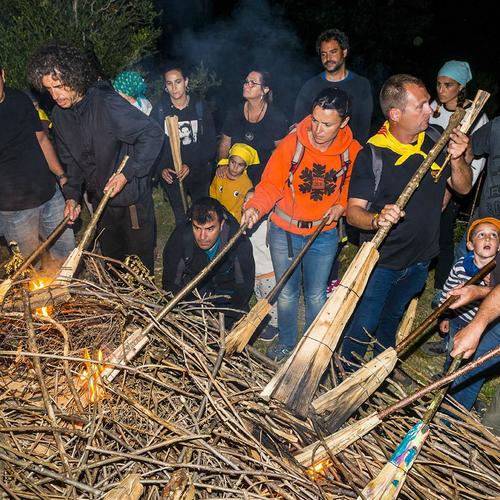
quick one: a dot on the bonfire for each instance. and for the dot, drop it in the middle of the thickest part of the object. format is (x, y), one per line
(178, 419)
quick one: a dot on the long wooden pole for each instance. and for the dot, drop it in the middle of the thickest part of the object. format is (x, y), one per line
(58, 287)
(471, 114)
(343, 438)
(172, 123)
(416, 335)
(68, 269)
(297, 380)
(242, 332)
(342, 401)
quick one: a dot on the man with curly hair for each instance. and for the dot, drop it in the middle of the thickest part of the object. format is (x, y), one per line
(94, 129)
(333, 48)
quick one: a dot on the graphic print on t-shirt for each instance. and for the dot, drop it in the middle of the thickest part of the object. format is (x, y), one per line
(188, 132)
(317, 182)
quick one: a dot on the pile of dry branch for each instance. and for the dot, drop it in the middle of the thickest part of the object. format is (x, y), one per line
(181, 421)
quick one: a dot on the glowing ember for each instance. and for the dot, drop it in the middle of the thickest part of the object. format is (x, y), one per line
(318, 471)
(37, 284)
(91, 377)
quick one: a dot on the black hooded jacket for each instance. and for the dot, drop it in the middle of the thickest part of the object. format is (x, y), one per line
(183, 259)
(93, 136)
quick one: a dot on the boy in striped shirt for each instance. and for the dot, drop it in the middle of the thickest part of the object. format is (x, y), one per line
(483, 243)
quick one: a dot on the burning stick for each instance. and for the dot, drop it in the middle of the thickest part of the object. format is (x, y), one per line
(137, 340)
(246, 326)
(91, 377)
(340, 440)
(342, 401)
(6, 284)
(172, 125)
(297, 380)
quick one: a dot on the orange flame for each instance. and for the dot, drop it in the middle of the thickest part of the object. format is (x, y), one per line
(91, 376)
(37, 284)
(318, 471)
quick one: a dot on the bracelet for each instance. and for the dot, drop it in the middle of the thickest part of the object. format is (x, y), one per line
(374, 220)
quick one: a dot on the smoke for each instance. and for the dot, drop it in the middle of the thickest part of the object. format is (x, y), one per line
(254, 35)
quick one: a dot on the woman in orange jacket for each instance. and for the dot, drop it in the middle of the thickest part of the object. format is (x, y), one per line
(305, 181)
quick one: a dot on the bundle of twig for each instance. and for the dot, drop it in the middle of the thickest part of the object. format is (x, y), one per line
(181, 419)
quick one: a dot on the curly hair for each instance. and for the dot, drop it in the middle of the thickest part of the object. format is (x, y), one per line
(332, 34)
(74, 68)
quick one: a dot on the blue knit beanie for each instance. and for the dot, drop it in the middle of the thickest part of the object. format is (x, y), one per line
(458, 71)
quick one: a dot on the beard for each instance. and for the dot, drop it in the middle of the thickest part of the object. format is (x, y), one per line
(338, 65)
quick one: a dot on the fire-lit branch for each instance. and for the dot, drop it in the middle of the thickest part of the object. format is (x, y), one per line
(37, 284)
(90, 379)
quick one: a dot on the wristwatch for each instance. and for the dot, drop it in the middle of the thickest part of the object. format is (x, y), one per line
(62, 176)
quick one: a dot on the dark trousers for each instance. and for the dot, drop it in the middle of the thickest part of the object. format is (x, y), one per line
(124, 231)
(196, 184)
(446, 258)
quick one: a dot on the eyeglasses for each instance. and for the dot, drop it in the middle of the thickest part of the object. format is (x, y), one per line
(252, 83)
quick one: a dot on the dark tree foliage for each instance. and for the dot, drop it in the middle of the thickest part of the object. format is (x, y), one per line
(119, 32)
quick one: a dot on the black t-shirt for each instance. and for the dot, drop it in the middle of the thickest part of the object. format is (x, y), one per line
(486, 140)
(416, 237)
(26, 181)
(261, 136)
(196, 131)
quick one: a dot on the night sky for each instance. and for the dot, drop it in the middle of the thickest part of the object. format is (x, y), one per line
(386, 36)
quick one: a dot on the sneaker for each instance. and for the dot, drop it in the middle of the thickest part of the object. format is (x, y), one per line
(480, 407)
(437, 298)
(279, 351)
(269, 333)
(331, 287)
(435, 348)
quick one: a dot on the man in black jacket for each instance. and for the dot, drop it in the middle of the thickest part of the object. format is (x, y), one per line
(195, 243)
(94, 129)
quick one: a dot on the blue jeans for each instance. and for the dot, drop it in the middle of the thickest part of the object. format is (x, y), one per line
(26, 226)
(313, 270)
(461, 248)
(465, 389)
(381, 308)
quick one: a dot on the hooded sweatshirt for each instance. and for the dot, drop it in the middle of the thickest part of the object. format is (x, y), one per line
(315, 185)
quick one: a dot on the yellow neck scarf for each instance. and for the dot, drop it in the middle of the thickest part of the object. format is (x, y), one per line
(384, 139)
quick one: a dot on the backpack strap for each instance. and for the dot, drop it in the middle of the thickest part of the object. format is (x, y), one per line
(296, 159)
(432, 133)
(376, 168)
(345, 162)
